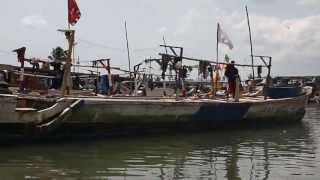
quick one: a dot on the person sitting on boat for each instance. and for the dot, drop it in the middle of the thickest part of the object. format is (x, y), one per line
(232, 74)
(35, 64)
(316, 98)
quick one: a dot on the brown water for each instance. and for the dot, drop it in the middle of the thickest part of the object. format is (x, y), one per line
(291, 152)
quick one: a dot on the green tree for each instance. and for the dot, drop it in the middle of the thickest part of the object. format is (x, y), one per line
(58, 54)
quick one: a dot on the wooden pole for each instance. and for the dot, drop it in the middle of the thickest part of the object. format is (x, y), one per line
(128, 50)
(269, 71)
(98, 79)
(214, 83)
(218, 27)
(135, 84)
(109, 78)
(164, 80)
(165, 44)
(68, 14)
(73, 57)
(67, 81)
(237, 91)
(250, 36)
(268, 79)
(78, 63)
(213, 62)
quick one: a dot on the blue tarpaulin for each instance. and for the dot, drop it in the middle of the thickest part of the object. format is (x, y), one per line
(104, 84)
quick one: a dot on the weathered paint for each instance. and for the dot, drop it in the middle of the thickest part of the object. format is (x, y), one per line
(221, 112)
(199, 111)
(8, 113)
(133, 111)
(7, 109)
(293, 108)
(144, 112)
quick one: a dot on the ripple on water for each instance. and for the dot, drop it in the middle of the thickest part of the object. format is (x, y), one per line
(267, 153)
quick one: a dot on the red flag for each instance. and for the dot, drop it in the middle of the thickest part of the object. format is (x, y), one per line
(74, 13)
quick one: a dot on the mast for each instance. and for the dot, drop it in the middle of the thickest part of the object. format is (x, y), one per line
(67, 82)
(128, 50)
(65, 87)
(68, 6)
(252, 63)
(214, 84)
(73, 16)
(165, 43)
(218, 27)
(164, 79)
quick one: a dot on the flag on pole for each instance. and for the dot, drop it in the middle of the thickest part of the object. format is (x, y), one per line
(224, 38)
(226, 58)
(74, 13)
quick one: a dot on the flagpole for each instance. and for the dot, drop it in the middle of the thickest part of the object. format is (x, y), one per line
(218, 27)
(128, 50)
(214, 84)
(164, 79)
(70, 34)
(165, 44)
(68, 14)
(251, 48)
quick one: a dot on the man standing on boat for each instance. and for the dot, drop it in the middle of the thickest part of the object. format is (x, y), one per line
(232, 74)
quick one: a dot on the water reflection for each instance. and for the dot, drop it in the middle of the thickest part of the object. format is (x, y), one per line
(270, 153)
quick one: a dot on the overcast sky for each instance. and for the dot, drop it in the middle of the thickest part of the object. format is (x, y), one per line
(287, 30)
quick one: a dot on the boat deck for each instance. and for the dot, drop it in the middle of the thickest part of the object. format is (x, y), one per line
(256, 99)
(140, 99)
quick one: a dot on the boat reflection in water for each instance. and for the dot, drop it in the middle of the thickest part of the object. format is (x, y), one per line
(266, 153)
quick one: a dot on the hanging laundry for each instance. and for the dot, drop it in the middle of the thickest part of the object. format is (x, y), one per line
(183, 72)
(164, 64)
(216, 76)
(259, 70)
(210, 70)
(190, 68)
(177, 63)
(20, 54)
(203, 68)
(226, 58)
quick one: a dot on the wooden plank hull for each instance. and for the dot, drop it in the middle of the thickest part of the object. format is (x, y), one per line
(113, 114)
(113, 111)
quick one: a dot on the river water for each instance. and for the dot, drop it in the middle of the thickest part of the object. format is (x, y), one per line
(290, 152)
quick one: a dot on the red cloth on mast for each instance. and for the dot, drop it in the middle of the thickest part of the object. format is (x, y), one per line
(74, 13)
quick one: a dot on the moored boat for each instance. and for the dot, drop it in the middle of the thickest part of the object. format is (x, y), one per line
(119, 114)
(136, 111)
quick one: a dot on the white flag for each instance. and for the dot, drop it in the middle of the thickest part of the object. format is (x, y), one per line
(224, 38)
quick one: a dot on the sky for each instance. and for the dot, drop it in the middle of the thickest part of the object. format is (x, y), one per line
(287, 30)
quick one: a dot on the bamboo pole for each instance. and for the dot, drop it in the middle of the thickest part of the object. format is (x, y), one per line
(251, 48)
(214, 62)
(237, 91)
(128, 50)
(214, 83)
(164, 79)
(217, 48)
(67, 81)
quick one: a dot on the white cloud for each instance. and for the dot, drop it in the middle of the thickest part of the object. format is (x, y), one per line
(293, 35)
(162, 30)
(308, 2)
(284, 29)
(287, 40)
(34, 22)
(293, 40)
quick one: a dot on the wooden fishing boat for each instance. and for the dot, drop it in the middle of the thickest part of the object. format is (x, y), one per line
(139, 113)
(118, 114)
(111, 114)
